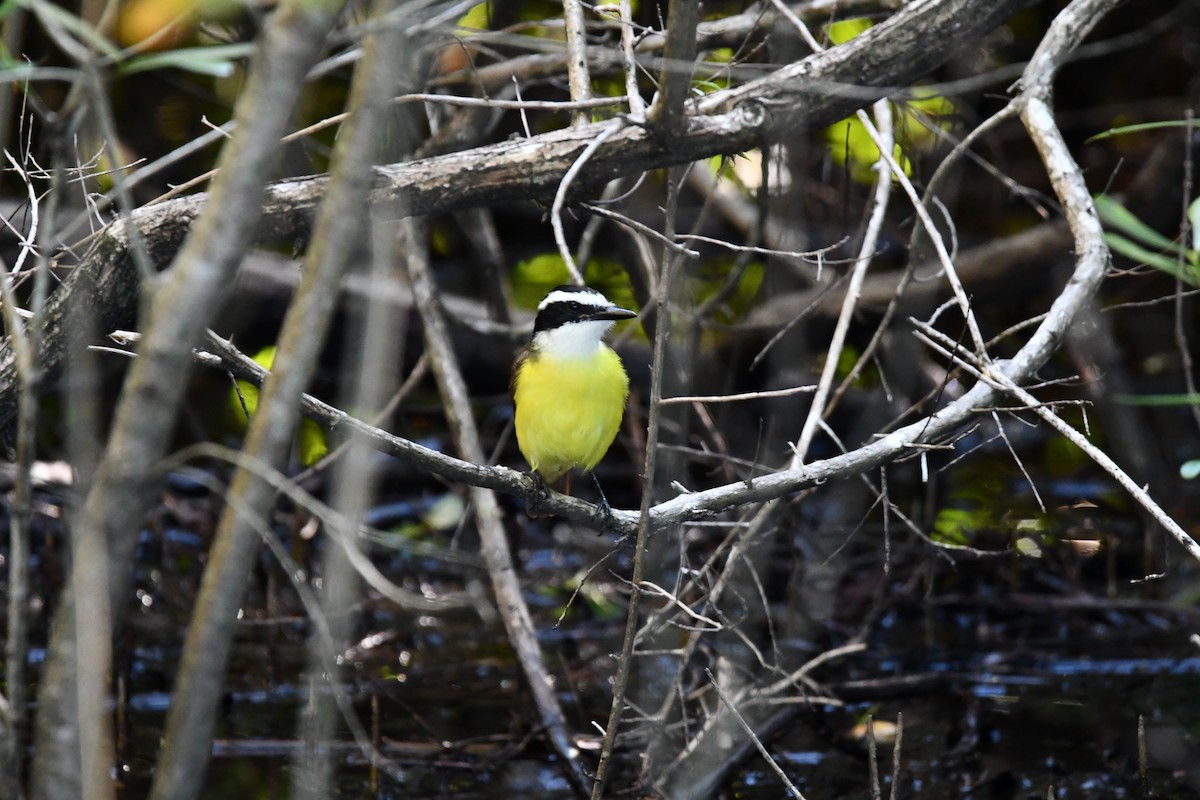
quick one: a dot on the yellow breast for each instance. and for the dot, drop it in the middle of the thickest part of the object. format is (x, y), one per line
(568, 410)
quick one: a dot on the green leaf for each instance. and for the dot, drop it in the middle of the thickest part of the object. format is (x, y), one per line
(1028, 547)
(476, 19)
(1116, 216)
(846, 29)
(52, 15)
(1142, 126)
(312, 442)
(1157, 399)
(953, 526)
(8, 6)
(216, 61)
(1138, 253)
(1190, 470)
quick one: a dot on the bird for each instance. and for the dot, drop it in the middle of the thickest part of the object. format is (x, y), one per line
(569, 388)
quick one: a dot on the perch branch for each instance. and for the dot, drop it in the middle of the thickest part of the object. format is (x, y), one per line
(804, 95)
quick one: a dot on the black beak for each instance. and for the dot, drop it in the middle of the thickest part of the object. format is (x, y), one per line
(613, 313)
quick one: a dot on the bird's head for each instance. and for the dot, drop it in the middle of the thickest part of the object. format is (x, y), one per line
(571, 321)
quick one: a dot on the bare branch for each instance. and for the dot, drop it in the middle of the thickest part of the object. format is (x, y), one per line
(794, 98)
(120, 494)
(494, 542)
(577, 61)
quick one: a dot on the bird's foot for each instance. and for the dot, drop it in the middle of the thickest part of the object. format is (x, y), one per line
(536, 500)
(610, 522)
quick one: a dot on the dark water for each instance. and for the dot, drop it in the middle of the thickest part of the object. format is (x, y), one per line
(1014, 677)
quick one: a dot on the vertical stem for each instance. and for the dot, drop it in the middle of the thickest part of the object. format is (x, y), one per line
(578, 78)
(17, 646)
(661, 332)
(370, 373)
(675, 80)
(493, 541)
(637, 107)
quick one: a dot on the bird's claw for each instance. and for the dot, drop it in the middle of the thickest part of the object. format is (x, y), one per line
(539, 496)
(610, 522)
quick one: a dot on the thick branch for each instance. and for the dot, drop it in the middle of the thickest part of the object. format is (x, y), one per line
(110, 517)
(811, 93)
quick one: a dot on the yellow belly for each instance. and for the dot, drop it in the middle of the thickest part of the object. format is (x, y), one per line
(568, 411)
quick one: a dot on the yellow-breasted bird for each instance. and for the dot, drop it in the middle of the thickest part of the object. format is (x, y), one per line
(569, 387)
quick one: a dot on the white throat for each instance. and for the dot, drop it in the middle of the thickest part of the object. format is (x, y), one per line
(572, 340)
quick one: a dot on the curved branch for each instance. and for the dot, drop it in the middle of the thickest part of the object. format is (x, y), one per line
(1091, 262)
(816, 91)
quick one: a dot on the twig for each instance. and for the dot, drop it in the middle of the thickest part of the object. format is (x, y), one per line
(939, 244)
(642, 228)
(752, 735)
(637, 107)
(654, 589)
(801, 674)
(28, 242)
(883, 184)
(494, 541)
(872, 760)
(560, 196)
(806, 255)
(1020, 464)
(1138, 493)
(736, 398)
(894, 793)
(1188, 234)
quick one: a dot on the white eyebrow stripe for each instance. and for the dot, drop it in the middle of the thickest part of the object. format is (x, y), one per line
(590, 298)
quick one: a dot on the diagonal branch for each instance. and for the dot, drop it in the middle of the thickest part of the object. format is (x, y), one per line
(110, 516)
(816, 91)
(493, 539)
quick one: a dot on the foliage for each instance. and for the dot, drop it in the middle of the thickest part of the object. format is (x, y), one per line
(850, 144)
(1137, 241)
(311, 440)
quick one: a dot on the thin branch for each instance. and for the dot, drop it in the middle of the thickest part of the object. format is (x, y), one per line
(883, 184)
(1138, 493)
(637, 106)
(560, 197)
(736, 398)
(494, 542)
(729, 704)
(894, 792)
